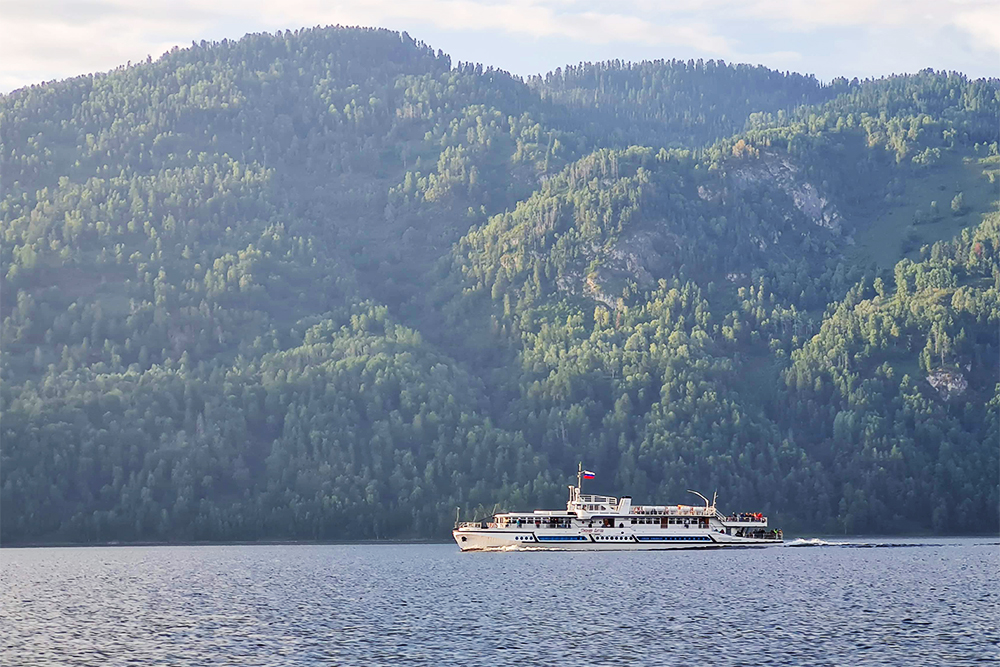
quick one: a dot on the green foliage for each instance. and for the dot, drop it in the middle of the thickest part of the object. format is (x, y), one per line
(324, 285)
(958, 204)
(674, 103)
(856, 389)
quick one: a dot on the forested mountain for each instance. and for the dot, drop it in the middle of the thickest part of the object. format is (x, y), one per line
(326, 285)
(675, 103)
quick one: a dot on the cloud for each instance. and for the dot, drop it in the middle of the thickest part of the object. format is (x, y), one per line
(59, 38)
(46, 39)
(982, 22)
(976, 17)
(537, 19)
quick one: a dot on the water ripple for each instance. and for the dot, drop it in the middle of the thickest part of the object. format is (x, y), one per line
(929, 604)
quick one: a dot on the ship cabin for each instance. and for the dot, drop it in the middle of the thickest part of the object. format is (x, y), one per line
(536, 519)
(595, 511)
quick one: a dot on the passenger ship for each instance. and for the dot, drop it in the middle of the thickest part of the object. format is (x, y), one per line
(605, 523)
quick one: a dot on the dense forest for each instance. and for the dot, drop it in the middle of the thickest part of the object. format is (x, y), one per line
(327, 284)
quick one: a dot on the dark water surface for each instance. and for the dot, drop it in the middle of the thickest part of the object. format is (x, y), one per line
(929, 603)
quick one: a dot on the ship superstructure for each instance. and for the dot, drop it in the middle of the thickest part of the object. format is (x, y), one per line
(593, 522)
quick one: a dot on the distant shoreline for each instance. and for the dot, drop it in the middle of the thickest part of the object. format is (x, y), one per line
(417, 541)
(235, 543)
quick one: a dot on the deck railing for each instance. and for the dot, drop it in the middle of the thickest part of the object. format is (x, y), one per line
(598, 500)
(671, 510)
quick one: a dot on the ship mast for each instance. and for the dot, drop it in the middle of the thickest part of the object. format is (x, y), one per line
(574, 491)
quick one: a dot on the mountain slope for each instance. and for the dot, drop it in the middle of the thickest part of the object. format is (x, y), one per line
(323, 285)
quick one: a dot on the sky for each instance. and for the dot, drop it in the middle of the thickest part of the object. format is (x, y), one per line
(41, 40)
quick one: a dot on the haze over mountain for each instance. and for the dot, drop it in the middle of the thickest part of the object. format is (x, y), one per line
(324, 285)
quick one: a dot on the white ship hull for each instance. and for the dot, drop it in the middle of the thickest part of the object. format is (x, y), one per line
(492, 540)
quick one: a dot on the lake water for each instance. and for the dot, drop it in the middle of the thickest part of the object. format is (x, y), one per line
(933, 602)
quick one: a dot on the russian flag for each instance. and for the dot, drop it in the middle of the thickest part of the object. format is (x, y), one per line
(588, 475)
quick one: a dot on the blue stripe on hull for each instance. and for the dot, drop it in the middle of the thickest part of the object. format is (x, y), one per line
(560, 538)
(671, 538)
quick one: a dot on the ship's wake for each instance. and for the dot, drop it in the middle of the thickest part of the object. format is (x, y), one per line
(816, 542)
(520, 547)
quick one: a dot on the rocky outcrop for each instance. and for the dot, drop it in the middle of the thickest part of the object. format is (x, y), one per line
(648, 251)
(780, 172)
(948, 382)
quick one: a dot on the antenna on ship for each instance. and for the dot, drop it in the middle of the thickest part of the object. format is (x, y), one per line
(700, 496)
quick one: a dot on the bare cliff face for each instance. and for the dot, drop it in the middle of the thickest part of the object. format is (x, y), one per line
(638, 257)
(648, 251)
(778, 171)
